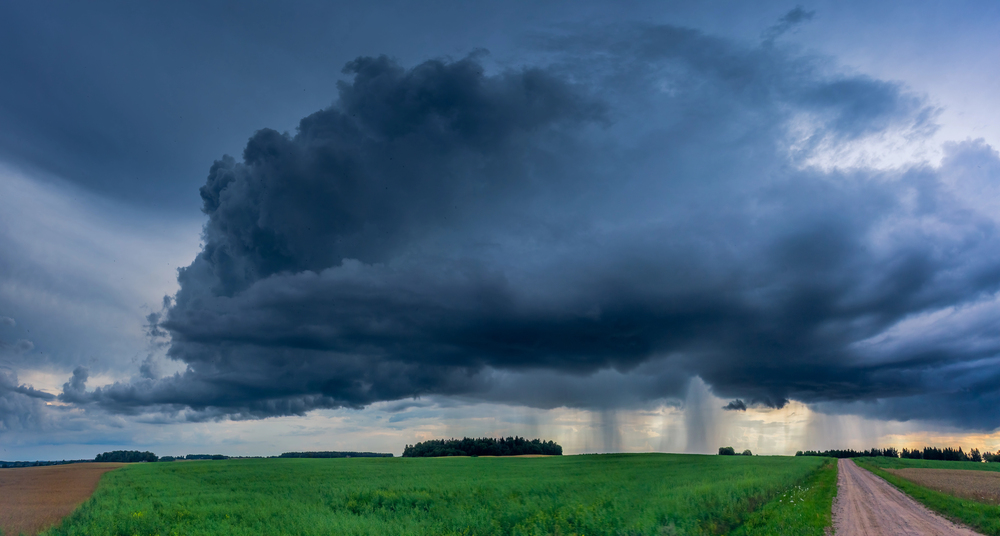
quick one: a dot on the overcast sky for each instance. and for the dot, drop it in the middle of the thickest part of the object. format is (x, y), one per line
(256, 227)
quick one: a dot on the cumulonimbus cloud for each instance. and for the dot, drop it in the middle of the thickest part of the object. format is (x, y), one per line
(637, 210)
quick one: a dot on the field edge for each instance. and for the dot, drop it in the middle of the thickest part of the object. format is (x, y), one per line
(984, 518)
(149, 511)
(806, 509)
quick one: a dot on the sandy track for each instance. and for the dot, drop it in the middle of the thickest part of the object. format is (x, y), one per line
(869, 506)
(34, 498)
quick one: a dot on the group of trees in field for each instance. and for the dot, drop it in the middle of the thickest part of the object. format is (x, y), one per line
(126, 456)
(730, 451)
(335, 454)
(947, 453)
(927, 453)
(481, 446)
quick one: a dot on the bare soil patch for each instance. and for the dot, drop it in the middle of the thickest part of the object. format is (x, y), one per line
(982, 486)
(35, 498)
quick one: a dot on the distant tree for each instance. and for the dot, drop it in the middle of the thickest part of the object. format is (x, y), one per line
(974, 456)
(125, 456)
(206, 457)
(727, 451)
(747, 452)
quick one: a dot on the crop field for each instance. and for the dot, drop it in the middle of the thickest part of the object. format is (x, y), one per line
(982, 486)
(802, 510)
(979, 512)
(903, 463)
(969, 480)
(638, 494)
(33, 498)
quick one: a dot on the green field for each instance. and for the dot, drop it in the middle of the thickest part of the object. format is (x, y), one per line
(903, 463)
(621, 494)
(985, 518)
(804, 510)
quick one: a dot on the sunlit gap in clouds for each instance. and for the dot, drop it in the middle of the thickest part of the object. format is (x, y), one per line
(80, 274)
(697, 424)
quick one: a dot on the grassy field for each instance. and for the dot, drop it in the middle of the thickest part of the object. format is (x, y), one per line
(982, 517)
(903, 463)
(804, 510)
(645, 494)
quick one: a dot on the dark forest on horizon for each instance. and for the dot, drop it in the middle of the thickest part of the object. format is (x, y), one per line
(927, 453)
(482, 446)
(512, 446)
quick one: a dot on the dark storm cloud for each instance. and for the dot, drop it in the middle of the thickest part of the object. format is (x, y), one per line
(796, 16)
(11, 352)
(736, 405)
(634, 211)
(132, 103)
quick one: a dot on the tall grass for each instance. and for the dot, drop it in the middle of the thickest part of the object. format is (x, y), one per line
(652, 494)
(982, 517)
(803, 510)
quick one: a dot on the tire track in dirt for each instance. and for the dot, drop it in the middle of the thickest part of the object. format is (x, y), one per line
(866, 505)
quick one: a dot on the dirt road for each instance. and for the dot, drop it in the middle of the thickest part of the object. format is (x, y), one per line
(866, 505)
(33, 498)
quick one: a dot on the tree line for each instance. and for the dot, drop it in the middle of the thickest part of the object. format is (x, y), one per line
(133, 456)
(12, 465)
(927, 453)
(126, 456)
(335, 454)
(481, 446)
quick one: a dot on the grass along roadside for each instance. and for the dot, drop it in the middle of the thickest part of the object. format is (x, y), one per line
(647, 494)
(804, 510)
(984, 518)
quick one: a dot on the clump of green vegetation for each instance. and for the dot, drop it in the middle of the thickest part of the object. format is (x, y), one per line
(638, 494)
(982, 517)
(804, 510)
